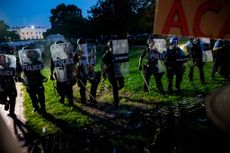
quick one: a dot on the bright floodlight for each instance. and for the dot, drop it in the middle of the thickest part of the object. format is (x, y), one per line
(32, 27)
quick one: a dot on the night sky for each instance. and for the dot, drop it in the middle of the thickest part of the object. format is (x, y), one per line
(35, 12)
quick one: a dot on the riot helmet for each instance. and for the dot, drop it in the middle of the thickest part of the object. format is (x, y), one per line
(174, 41)
(31, 54)
(150, 41)
(30, 59)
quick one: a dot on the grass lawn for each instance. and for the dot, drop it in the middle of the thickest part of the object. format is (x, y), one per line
(132, 97)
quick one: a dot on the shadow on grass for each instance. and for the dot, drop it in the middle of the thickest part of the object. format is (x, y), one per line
(23, 133)
(105, 110)
(142, 101)
(63, 125)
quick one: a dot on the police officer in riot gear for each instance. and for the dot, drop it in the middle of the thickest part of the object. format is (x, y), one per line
(85, 71)
(194, 50)
(31, 66)
(151, 68)
(221, 58)
(116, 82)
(8, 92)
(61, 69)
(174, 63)
(225, 66)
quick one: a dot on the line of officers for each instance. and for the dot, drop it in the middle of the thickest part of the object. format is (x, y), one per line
(173, 59)
(67, 68)
(76, 69)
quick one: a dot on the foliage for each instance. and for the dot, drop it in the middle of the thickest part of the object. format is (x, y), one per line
(68, 21)
(6, 35)
(111, 17)
(122, 16)
(108, 17)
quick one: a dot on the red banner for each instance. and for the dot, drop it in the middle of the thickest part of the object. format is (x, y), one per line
(200, 18)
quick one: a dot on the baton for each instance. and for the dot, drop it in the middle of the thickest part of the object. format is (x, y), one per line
(145, 81)
(87, 90)
(54, 87)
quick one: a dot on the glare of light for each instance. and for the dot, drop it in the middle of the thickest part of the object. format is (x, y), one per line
(32, 27)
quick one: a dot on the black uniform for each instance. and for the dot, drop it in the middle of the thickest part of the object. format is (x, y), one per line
(174, 64)
(116, 82)
(33, 80)
(151, 68)
(8, 89)
(85, 72)
(218, 55)
(224, 57)
(195, 55)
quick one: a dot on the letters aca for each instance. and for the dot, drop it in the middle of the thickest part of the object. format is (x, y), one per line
(178, 11)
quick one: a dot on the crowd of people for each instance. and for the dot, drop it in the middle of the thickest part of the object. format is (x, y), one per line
(174, 58)
(71, 65)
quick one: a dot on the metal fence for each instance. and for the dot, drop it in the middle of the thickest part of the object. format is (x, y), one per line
(90, 137)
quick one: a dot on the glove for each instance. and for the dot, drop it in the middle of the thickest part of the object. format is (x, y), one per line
(51, 77)
(140, 67)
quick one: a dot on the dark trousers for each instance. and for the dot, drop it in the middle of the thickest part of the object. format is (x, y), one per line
(65, 89)
(200, 68)
(225, 65)
(37, 95)
(82, 81)
(216, 64)
(12, 99)
(115, 88)
(157, 76)
(178, 72)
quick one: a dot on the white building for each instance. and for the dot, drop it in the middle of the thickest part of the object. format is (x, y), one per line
(27, 33)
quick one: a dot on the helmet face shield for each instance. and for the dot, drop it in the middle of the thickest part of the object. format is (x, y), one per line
(174, 43)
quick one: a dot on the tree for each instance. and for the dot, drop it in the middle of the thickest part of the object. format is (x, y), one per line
(111, 17)
(122, 16)
(68, 21)
(6, 35)
(145, 12)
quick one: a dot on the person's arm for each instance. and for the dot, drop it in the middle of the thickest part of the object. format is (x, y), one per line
(18, 71)
(218, 46)
(52, 70)
(216, 49)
